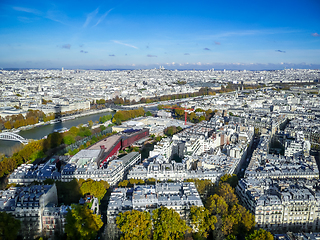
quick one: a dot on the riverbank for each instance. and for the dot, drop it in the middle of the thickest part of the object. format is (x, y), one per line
(62, 119)
(40, 131)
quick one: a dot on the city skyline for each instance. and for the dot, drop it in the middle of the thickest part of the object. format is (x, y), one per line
(176, 35)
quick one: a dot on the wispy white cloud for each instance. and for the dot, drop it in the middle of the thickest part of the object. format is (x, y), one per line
(51, 15)
(103, 17)
(248, 32)
(56, 17)
(90, 16)
(315, 34)
(125, 44)
(25, 19)
(27, 10)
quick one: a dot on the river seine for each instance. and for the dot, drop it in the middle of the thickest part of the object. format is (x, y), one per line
(8, 147)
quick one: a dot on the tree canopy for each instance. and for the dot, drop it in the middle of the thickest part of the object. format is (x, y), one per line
(105, 118)
(9, 226)
(204, 187)
(222, 217)
(232, 218)
(126, 115)
(231, 179)
(81, 223)
(260, 234)
(168, 224)
(95, 188)
(169, 131)
(201, 220)
(134, 225)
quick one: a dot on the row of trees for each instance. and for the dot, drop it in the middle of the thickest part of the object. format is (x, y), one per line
(120, 101)
(18, 120)
(31, 117)
(105, 118)
(131, 182)
(202, 92)
(126, 115)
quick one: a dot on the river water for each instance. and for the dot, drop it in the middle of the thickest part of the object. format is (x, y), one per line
(8, 147)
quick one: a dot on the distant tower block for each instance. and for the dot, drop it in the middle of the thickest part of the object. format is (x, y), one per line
(62, 69)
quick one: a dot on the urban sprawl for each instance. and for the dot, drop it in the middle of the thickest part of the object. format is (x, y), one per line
(261, 128)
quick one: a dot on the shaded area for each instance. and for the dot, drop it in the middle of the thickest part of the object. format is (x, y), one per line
(176, 158)
(68, 192)
(145, 152)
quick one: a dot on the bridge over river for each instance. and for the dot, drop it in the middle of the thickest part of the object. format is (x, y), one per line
(10, 136)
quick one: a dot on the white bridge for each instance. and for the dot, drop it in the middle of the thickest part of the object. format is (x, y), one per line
(9, 136)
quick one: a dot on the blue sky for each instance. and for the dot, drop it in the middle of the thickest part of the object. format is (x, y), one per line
(174, 34)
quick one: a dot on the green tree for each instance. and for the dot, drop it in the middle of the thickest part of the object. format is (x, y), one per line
(231, 179)
(82, 223)
(260, 234)
(134, 225)
(136, 181)
(74, 131)
(84, 132)
(105, 184)
(227, 192)
(9, 226)
(148, 113)
(93, 187)
(217, 205)
(124, 183)
(203, 186)
(231, 237)
(202, 118)
(169, 131)
(69, 139)
(201, 220)
(102, 127)
(151, 181)
(105, 118)
(68, 192)
(168, 224)
(179, 112)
